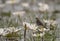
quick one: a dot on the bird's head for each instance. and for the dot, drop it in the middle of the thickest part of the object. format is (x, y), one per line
(37, 18)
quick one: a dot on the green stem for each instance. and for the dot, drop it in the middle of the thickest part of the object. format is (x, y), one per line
(42, 39)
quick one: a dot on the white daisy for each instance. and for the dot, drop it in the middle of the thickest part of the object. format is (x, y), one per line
(1, 31)
(30, 26)
(42, 34)
(50, 22)
(25, 4)
(21, 13)
(12, 1)
(43, 7)
(34, 35)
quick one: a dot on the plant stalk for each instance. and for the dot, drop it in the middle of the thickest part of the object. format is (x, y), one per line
(25, 33)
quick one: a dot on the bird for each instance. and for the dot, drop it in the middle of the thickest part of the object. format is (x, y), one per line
(39, 23)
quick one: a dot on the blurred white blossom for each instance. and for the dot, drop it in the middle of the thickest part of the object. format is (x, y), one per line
(12, 1)
(13, 29)
(43, 7)
(1, 31)
(39, 34)
(16, 30)
(50, 22)
(25, 4)
(42, 34)
(4, 31)
(35, 35)
(21, 13)
(44, 29)
(30, 26)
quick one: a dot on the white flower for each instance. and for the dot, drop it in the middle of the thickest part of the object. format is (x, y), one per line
(1, 31)
(12, 1)
(42, 34)
(50, 22)
(33, 26)
(40, 4)
(47, 21)
(34, 35)
(53, 22)
(47, 29)
(4, 31)
(16, 30)
(21, 13)
(42, 29)
(11, 29)
(25, 4)
(30, 26)
(43, 7)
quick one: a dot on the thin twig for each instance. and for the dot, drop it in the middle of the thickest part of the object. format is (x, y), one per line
(25, 33)
(42, 39)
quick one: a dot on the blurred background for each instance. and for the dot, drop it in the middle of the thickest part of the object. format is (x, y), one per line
(27, 10)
